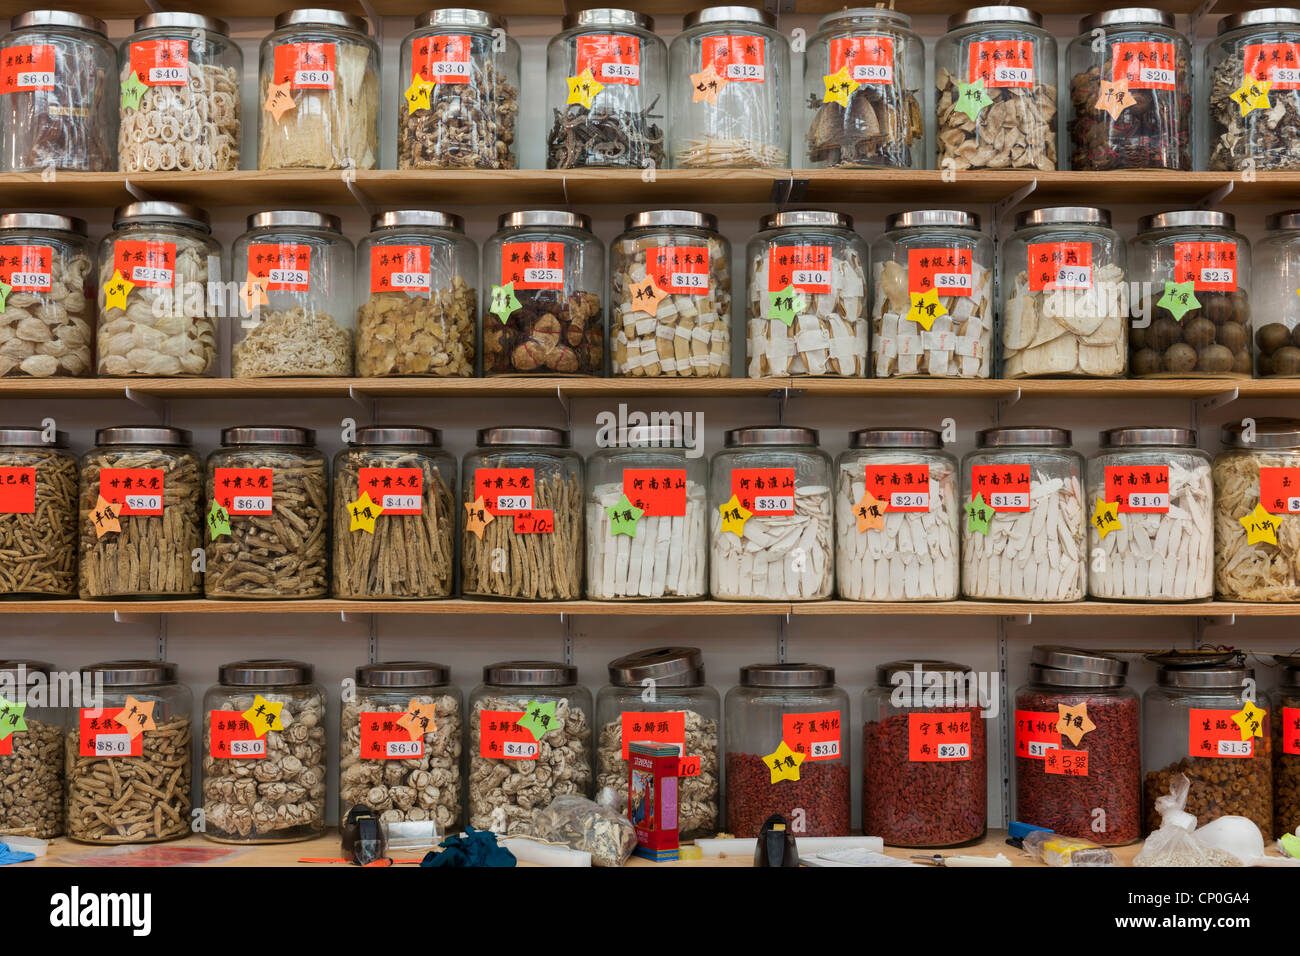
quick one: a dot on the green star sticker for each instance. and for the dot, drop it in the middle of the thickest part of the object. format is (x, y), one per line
(11, 718)
(1291, 843)
(1179, 299)
(218, 521)
(978, 515)
(5, 289)
(783, 306)
(538, 718)
(503, 301)
(972, 100)
(132, 92)
(623, 517)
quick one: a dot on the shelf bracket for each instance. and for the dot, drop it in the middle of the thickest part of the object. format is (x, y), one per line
(782, 639)
(136, 192)
(350, 181)
(366, 402)
(1212, 199)
(1008, 203)
(1019, 620)
(791, 190)
(1198, 15)
(151, 403)
(157, 621)
(566, 622)
(1005, 402)
(564, 404)
(1218, 401)
(1203, 624)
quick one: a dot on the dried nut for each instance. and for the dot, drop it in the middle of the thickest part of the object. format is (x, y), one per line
(38, 551)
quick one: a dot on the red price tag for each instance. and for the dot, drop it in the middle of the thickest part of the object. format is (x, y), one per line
(138, 490)
(243, 491)
(533, 265)
(1209, 266)
(1291, 730)
(1140, 489)
(807, 268)
(668, 727)
(681, 270)
(1146, 66)
(400, 269)
(816, 735)
(659, 492)
(232, 737)
(1279, 490)
(151, 265)
(18, 491)
(27, 268)
(901, 487)
(7, 746)
(399, 491)
(1036, 733)
(1002, 63)
(610, 57)
(501, 738)
(161, 62)
(541, 521)
(764, 491)
(286, 267)
(382, 738)
(28, 68)
(735, 58)
(869, 59)
(1068, 763)
(305, 66)
(441, 59)
(936, 738)
(948, 271)
(688, 766)
(1004, 487)
(505, 491)
(1059, 265)
(1278, 62)
(1212, 733)
(102, 736)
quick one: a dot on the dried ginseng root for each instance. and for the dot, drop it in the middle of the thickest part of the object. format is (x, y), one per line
(31, 764)
(38, 517)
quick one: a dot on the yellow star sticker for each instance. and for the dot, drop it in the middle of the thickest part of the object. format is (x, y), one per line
(116, 290)
(418, 719)
(1105, 517)
(1114, 98)
(478, 518)
(417, 94)
(646, 296)
(1251, 721)
(363, 513)
(584, 88)
(1261, 527)
(136, 716)
(925, 308)
(706, 85)
(839, 87)
(279, 99)
(734, 516)
(1073, 722)
(264, 715)
(783, 763)
(1252, 95)
(870, 512)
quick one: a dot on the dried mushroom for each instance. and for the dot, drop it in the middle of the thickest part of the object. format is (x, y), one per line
(1017, 130)
(32, 775)
(881, 127)
(468, 125)
(403, 334)
(549, 333)
(1267, 138)
(38, 549)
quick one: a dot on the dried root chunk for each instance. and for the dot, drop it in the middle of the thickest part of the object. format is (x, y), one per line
(665, 558)
(189, 128)
(297, 341)
(1017, 131)
(468, 125)
(1065, 331)
(32, 775)
(403, 334)
(780, 557)
(43, 334)
(957, 345)
(1252, 572)
(38, 551)
(549, 333)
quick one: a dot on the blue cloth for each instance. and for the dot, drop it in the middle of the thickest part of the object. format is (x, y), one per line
(13, 856)
(475, 848)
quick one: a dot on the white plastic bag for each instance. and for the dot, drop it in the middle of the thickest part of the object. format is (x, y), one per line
(1176, 843)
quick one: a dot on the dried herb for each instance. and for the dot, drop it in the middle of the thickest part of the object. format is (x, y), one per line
(469, 125)
(38, 551)
(32, 776)
(550, 332)
(299, 341)
(880, 128)
(605, 137)
(69, 125)
(1153, 133)
(820, 797)
(1221, 786)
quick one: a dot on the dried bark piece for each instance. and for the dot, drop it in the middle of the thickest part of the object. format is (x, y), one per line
(959, 344)
(402, 334)
(1067, 331)
(829, 337)
(38, 551)
(779, 558)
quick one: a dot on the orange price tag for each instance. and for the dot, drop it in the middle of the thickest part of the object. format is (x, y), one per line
(807, 268)
(442, 59)
(1291, 730)
(305, 66)
(286, 267)
(1279, 490)
(664, 727)
(1279, 63)
(243, 491)
(737, 59)
(764, 491)
(161, 62)
(138, 490)
(539, 521)
(1209, 266)
(383, 738)
(501, 738)
(1139, 489)
(1059, 265)
(146, 263)
(947, 271)
(505, 491)
(659, 492)
(1068, 763)
(399, 491)
(1146, 66)
(1004, 63)
(400, 269)
(27, 68)
(1004, 487)
(103, 736)
(231, 736)
(936, 737)
(1036, 733)
(612, 58)
(901, 487)
(815, 735)
(869, 59)
(1212, 733)
(681, 270)
(27, 268)
(18, 491)
(533, 265)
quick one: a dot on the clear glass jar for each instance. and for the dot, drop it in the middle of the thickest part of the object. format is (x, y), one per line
(807, 296)
(468, 66)
(267, 507)
(409, 553)
(144, 546)
(1284, 704)
(1275, 323)
(646, 504)
(324, 68)
(606, 73)
(520, 706)
(870, 66)
(660, 695)
(129, 782)
(522, 535)
(1256, 516)
(940, 251)
(48, 264)
(775, 714)
(1198, 315)
(419, 272)
(296, 289)
(771, 517)
(1187, 728)
(545, 319)
(182, 111)
(1253, 46)
(155, 316)
(1158, 543)
(1004, 62)
(1062, 782)
(60, 95)
(924, 755)
(381, 766)
(1023, 532)
(904, 545)
(31, 759)
(263, 771)
(1064, 295)
(680, 325)
(1151, 128)
(38, 514)
(730, 91)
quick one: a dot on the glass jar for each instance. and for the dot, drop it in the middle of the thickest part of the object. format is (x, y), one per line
(730, 82)
(545, 319)
(1275, 325)
(1157, 542)
(408, 554)
(467, 66)
(807, 296)
(1082, 783)
(144, 544)
(871, 66)
(924, 755)
(1253, 47)
(60, 95)
(263, 767)
(678, 325)
(318, 93)
(31, 759)
(129, 758)
(999, 64)
(519, 706)
(420, 273)
(381, 766)
(1198, 271)
(1284, 702)
(267, 506)
(605, 77)
(1188, 729)
(522, 536)
(182, 112)
(296, 296)
(1256, 516)
(38, 514)
(1064, 295)
(788, 750)
(1024, 521)
(660, 695)
(47, 262)
(902, 543)
(1150, 127)
(646, 504)
(155, 317)
(770, 513)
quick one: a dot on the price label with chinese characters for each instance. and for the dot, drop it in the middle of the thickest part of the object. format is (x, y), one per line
(399, 491)
(1004, 487)
(612, 58)
(1068, 763)
(441, 59)
(737, 59)
(535, 521)
(1059, 265)
(936, 737)
(807, 268)
(667, 727)
(659, 492)
(305, 66)
(1209, 266)
(869, 59)
(18, 491)
(161, 62)
(533, 265)
(1036, 733)
(1279, 63)
(27, 268)
(1145, 66)
(901, 487)
(138, 490)
(146, 263)
(243, 491)
(1002, 63)
(505, 491)
(501, 738)
(103, 736)
(1291, 730)
(681, 270)
(1279, 490)
(815, 735)
(232, 736)
(27, 68)
(1213, 733)
(383, 738)
(947, 271)
(286, 267)
(766, 492)
(400, 269)
(1139, 489)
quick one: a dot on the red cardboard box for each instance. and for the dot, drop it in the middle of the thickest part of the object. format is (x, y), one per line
(652, 799)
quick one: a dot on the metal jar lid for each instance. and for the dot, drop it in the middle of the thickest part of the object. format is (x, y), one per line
(170, 213)
(267, 435)
(29, 436)
(1063, 215)
(265, 673)
(1286, 16)
(666, 666)
(499, 437)
(779, 435)
(1127, 16)
(728, 15)
(944, 671)
(918, 218)
(400, 435)
(418, 217)
(1141, 437)
(1188, 219)
(1204, 678)
(994, 15)
(557, 218)
(1053, 677)
(671, 217)
(826, 218)
(58, 18)
(315, 16)
(403, 674)
(10, 672)
(1283, 220)
(1058, 657)
(530, 674)
(181, 21)
(895, 438)
(44, 221)
(1290, 664)
(787, 675)
(1269, 433)
(668, 434)
(302, 218)
(138, 435)
(881, 15)
(460, 17)
(607, 17)
(1030, 437)
(131, 673)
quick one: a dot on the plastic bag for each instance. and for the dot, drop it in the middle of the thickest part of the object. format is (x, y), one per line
(582, 824)
(1056, 850)
(1175, 843)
